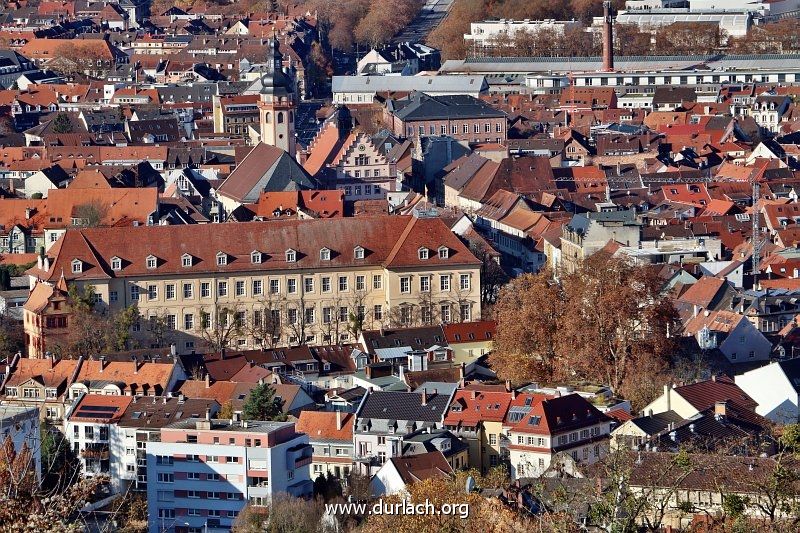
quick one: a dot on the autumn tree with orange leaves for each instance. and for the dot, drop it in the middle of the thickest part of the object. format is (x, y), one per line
(608, 322)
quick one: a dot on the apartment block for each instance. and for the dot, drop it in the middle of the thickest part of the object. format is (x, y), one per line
(204, 471)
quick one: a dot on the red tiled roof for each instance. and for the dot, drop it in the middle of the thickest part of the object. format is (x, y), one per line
(703, 292)
(413, 468)
(322, 425)
(101, 408)
(469, 407)
(387, 240)
(478, 331)
(705, 394)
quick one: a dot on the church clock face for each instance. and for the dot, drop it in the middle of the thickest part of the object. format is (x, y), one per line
(361, 147)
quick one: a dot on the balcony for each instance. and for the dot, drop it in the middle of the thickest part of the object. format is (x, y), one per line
(95, 451)
(298, 456)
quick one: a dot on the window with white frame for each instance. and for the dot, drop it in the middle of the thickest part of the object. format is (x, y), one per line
(258, 287)
(358, 252)
(77, 266)
(423, 253)
(116, 263)
(188, 291)
(444, 252)
(151, 261)
(222, 259)
(405, 284)
(325, 254)
(444, 282)
(464, 282)
(255, 257)
(186, 260)
(291, 256)
(425, 283)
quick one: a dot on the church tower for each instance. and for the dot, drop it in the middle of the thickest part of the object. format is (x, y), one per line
(277, 105)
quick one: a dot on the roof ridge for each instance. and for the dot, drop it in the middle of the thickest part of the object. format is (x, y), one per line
(400, 241)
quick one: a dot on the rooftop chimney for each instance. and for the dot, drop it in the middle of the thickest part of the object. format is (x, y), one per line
(463, 370)
(720, 408)
(508, 385)
(608, 38)
(208, 414)
(338, 420)
(424, 397)
(208, 380)
(102, 363)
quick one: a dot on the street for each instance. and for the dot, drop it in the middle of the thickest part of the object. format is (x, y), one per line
(431, 14)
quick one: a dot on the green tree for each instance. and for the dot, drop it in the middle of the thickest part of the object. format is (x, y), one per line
(119, 331)
(62, 124)
(262, 404)
(226, 412)
(790, 437)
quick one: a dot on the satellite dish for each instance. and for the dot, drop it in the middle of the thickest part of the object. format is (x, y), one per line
(470, 484)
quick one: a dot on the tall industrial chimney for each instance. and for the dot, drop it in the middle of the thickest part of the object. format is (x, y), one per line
(608, 38)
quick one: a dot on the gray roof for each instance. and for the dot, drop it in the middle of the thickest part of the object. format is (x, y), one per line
(420, 106)
(514, 65)
(435, 84)
(253, 426)
(403, 406)
(657, 422)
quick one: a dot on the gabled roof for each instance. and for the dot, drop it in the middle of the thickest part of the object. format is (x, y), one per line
(704, 291)
(100, 408)
(265, 168)
(322, 425)
(385, 405)
(469, 407)
(464, 332)
(413, 468)
(705, 394)
(386, 241)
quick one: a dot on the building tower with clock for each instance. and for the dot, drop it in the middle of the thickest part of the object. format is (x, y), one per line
(277, 105)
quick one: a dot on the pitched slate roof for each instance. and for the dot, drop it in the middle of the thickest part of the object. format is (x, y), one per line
(421, 106)
(384, 405)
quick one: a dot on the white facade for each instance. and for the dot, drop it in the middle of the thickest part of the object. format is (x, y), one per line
(198, 481)
(774, 391)
(483, 32)
(22, 425)
(531, 454)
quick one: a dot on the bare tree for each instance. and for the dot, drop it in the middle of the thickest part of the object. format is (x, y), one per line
(220, 323)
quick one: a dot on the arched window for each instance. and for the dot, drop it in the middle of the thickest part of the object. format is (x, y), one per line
(280, 117)
(268, 117)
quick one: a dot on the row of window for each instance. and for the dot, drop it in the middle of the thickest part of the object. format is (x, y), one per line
(444, 283)
(256, 287)
(187, 260)
(476, 128)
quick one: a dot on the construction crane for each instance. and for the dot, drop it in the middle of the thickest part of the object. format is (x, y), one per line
(756, 239)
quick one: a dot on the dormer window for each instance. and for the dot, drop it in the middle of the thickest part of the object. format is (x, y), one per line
(444, 252)
(151, 261)
(358, 252)
(186, 260)
(255, 257)
(325, 254)
(423, 253)
(116, 263)
(77, 266)
(222, 259)
(291, 256)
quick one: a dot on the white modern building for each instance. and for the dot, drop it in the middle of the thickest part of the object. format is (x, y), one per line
(776, 388)
(22, 425)
(205, 470)
(483, 33)
(362, 89)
